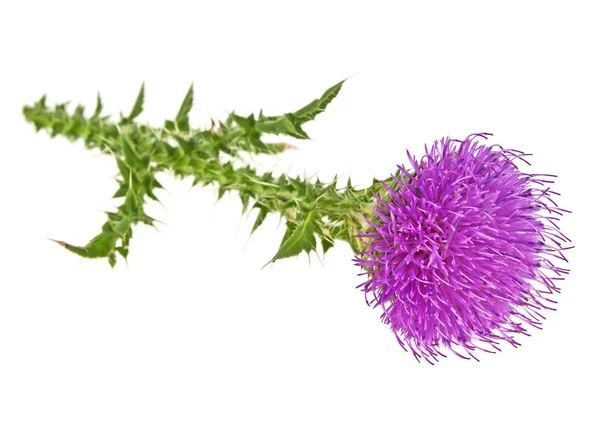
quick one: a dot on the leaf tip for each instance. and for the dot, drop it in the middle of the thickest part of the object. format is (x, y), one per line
(271, 261)
(61, 243)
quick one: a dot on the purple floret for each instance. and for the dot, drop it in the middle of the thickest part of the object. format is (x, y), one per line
(458, 252)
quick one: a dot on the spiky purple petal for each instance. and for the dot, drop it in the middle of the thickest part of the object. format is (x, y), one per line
(459, 250)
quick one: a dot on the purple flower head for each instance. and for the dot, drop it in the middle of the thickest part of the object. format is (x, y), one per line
(458, 250)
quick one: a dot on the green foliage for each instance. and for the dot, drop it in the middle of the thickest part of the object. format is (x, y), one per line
(310, 111)
(300, 236)
(181, 122)
(99, 106)
(138, 106)
(313, 211)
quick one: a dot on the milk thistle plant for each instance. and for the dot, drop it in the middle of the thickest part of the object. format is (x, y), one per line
(456, 248)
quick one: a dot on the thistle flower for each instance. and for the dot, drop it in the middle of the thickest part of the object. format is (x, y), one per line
(458, 251)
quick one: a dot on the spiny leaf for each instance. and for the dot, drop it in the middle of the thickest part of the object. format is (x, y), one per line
(123, 251)
(186, 145)
(99, 105)
(286, 124)
(112, 259)
(138, 106)
(247, 123)
(131, 206)
(314, 108)
(78, 113)
(123, 169)
(41, 103)
(121, 191)
(302, 238)
(260, 218)
(182, 119)
(79, 250)
(132, 159)
(326, 243)
(245, 199)
(221, 192)
(123, 226)
(100, 246)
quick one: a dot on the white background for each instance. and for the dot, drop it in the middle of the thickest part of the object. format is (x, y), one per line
(191, 331)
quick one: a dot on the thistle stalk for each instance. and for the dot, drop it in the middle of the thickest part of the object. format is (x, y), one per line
(312, 210)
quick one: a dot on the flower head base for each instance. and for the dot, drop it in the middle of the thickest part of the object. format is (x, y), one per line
(458, 250)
